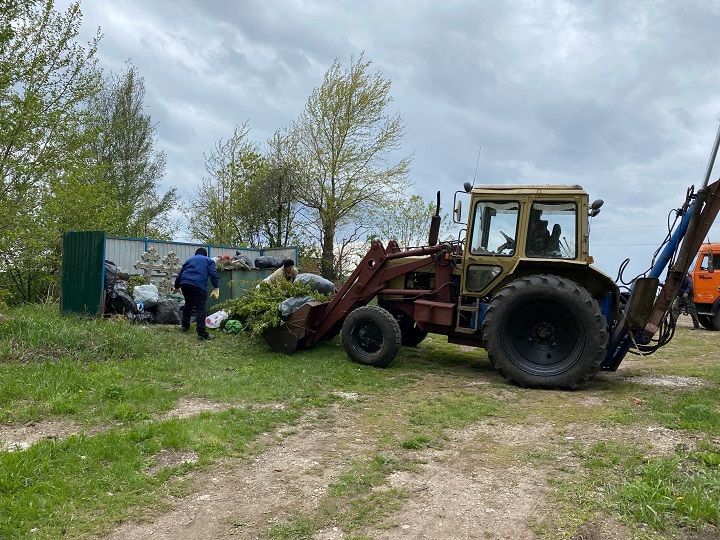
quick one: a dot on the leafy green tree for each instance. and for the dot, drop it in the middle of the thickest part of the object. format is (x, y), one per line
(46, 80)
(230, 167)
(345, 144)
(246, 198)
(124, 143)
(275, 194)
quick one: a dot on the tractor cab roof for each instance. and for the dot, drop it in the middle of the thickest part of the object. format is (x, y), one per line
(530, 189)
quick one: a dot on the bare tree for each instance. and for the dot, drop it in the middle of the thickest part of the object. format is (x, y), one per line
(407, 220)
(228, 166)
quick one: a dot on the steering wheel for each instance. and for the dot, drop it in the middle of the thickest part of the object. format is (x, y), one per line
(509, 243)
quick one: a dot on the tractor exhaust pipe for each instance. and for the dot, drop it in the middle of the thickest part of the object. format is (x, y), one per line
(435, 224)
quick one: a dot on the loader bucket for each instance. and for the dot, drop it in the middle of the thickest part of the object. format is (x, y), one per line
(290, 335)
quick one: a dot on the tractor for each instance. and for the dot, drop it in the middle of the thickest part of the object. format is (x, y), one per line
(519, 281)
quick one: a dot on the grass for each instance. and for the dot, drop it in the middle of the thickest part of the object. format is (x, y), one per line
(675, 492)
(78, 485)
(121, 378)
(157, 365)
(115, 382)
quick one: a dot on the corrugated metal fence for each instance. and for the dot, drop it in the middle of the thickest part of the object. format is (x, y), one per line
(125, 252)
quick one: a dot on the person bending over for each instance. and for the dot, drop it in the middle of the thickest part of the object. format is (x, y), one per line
(287, 272)
(192, 281)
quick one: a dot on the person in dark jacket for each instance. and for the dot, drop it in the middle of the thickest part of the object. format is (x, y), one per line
(684, 302)
(192, 281)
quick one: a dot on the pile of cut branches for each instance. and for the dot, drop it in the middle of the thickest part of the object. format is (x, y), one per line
(257, 308)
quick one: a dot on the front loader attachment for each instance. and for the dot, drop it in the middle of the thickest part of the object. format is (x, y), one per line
(292, 334)
(317, 321)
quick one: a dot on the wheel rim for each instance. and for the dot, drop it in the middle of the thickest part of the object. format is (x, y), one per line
(542, 337)
(367, 337)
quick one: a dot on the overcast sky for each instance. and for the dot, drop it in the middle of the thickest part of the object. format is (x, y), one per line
(620, 97)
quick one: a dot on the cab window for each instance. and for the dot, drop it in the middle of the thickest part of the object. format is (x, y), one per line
(705, 263)
(552, 230)
(495, 228)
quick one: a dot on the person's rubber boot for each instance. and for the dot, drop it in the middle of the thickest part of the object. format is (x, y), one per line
(205, 337)
(184, 328)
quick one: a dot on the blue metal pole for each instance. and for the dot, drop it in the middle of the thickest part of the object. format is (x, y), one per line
(674, 242)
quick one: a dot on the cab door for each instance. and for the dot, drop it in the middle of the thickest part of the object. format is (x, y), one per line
(491, 252)
(706, 278)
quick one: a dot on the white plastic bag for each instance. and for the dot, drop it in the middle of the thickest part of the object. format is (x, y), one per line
(146, 293)
(215, 320)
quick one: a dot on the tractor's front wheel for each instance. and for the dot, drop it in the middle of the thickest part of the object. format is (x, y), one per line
(545, 331)
(371, 336)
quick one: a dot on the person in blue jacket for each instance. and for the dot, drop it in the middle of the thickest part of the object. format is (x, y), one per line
(192, 281)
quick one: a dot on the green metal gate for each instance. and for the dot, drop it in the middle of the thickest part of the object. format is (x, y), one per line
(83, 273)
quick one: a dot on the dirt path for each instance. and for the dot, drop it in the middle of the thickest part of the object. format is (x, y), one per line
(15, 437)
(459, 491)
(470, 490)
(479, 483)
(290, 476)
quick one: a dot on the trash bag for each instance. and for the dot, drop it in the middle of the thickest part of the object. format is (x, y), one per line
(111, 271)
(119, 300)
(320, 284)
(242, 262)
(167, 312)
(291, 305)
(268, 261)
(233, 327)
(215, 320)
(145, 317)
(146, 293)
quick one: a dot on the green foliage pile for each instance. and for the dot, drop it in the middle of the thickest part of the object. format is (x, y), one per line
(257, 308)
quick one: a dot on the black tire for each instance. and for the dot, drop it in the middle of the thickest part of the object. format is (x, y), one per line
(707, 322)
(716, 318)
(545, 331)
(412, 335)
(371, 336)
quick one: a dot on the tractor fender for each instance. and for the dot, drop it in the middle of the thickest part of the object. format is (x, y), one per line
(600, 286)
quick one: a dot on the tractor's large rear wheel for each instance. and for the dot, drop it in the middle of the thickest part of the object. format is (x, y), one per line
(371, 336)
(545, 331)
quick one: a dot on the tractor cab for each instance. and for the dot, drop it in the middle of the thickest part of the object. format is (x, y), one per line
(510, 228)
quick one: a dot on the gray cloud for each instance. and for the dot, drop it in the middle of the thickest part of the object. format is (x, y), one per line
(620, 97)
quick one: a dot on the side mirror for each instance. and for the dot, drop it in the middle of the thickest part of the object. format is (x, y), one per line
(457, 213)
(595, 207)
(467, 186)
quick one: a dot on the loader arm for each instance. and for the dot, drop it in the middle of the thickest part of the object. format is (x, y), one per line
(369, 278)
(646, 312)
(706, 208)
